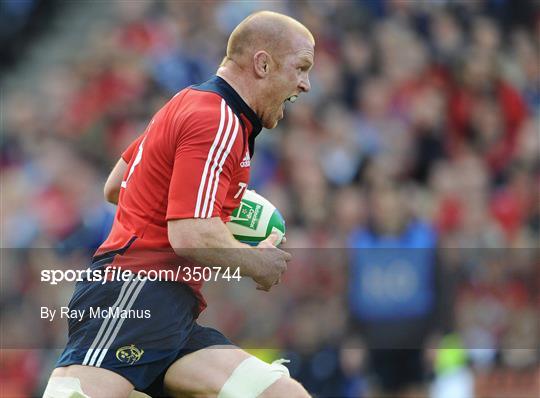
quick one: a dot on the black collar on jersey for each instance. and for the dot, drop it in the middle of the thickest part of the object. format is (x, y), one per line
(219, 86)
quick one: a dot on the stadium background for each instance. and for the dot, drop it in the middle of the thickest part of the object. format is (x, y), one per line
(422, 113)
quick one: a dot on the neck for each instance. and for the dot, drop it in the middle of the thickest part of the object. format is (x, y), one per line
(236, 81)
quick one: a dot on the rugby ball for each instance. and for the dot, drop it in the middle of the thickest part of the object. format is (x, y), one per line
(255, 219)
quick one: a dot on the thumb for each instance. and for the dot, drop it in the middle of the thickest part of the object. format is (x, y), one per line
(273, 238)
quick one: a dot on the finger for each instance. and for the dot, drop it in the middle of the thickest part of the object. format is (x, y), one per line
(272, 239)
(287, 256)
(283, 240)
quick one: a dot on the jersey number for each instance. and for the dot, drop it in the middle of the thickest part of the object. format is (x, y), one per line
(135, 163)
(242, 188)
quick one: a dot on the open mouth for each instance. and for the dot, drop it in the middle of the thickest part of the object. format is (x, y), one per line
(292, 98)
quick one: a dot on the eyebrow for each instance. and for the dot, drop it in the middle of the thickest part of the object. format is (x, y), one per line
(306, 60)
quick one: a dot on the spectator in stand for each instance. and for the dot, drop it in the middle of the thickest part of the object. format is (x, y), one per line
(393, 291)
(485, 112)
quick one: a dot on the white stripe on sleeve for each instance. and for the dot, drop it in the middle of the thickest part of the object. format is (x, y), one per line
(215, 162)
(209, 160)
(221, 163)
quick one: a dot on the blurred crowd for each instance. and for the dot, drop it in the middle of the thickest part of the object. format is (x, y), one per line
(421, 133)
(20, 22)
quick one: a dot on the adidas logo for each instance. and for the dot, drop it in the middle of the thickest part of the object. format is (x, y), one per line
(246, 162)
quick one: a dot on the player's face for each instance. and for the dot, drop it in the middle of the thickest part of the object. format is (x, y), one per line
(289, 80)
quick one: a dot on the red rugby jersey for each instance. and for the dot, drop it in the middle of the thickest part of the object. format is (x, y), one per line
(192, 161)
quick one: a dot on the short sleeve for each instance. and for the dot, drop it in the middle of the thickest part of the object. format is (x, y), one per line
(204, 162)
(131, 149)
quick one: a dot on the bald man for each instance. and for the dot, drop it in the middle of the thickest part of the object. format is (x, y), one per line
(175, 187)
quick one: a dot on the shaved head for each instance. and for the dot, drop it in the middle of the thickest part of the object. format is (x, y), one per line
(269, 56)
(264, 30)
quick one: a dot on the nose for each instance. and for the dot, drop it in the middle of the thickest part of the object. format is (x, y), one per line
(304, 84)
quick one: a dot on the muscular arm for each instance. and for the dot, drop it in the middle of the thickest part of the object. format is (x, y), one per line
(112, 186)
(208, 242)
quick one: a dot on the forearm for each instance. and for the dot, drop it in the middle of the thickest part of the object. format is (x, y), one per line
(209, 243)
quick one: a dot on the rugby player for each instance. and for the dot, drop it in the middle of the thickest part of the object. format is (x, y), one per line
(175, 186)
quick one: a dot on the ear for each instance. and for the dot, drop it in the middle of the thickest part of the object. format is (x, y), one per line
(261, 63)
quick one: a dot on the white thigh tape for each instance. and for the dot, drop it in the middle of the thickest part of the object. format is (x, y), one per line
(64, 387)
(138, 394)
(252, 377)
